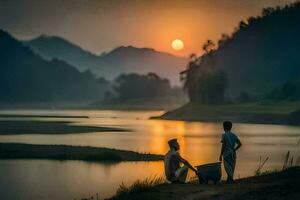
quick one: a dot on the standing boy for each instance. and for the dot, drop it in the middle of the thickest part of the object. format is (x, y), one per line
(230, 144)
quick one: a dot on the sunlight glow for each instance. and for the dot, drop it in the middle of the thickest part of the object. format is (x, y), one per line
(177, 44)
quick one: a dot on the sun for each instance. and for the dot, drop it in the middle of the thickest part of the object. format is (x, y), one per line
(177, 44)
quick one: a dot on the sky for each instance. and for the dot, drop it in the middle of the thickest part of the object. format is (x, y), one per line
(101, 25)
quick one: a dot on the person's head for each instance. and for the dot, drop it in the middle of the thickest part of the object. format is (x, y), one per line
(227, 125)
(173, 144)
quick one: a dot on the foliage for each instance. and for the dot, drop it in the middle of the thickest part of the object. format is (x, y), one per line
(124, 192)
(202, 81)
(134, 86)
(261, 164)
(256, 58)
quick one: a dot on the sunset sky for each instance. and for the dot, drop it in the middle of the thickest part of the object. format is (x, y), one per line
(99, 25)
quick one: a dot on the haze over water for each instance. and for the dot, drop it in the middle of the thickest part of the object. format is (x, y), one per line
(200, 143)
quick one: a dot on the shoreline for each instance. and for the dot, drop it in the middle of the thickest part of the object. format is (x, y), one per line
(68, 152)
(23, 127)
(236, 114)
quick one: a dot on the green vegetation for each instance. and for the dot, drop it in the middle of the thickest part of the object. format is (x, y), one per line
(261, 164)
(135, 86)
(204, 84)
(135, 91)
(65, 152)
(130, 192)
(257, 61)
(261, 112)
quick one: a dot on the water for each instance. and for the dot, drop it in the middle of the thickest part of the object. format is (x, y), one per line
(200, 143)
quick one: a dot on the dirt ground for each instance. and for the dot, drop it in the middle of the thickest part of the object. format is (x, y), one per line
(275, 186)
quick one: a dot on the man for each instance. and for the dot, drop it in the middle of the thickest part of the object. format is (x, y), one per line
(230, 144)
(176, 173)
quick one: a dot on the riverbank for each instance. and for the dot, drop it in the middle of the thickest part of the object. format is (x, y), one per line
(258, 113)
(66, 152)
(21, 127)
(273, 186)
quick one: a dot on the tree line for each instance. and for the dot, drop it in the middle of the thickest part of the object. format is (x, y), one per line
(248, 65)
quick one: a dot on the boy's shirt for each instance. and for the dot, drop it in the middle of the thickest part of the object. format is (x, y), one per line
(229, 140)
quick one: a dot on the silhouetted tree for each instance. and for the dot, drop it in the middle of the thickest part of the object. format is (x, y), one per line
(202, 81)
(262, 53)
(134, 86)
(208, 46)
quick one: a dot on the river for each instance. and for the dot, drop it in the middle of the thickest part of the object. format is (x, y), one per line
(200, 143)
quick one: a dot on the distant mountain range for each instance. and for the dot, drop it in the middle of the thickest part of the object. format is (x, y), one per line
(124, 59)
(27, 78)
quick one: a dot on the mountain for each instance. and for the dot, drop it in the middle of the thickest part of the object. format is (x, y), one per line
(145, 60)
(26, 78)
(110, 65)
(56, 47)
(263, 52)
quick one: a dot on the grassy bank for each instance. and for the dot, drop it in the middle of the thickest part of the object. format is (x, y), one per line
(65, 152)
(273, 186)
(264, 113)
(16, 127)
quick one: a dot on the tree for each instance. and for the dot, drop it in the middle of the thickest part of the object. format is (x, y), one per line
(208, 47)
(202, 81)
(134, 86)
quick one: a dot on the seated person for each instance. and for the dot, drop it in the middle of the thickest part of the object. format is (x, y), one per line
(176, 173)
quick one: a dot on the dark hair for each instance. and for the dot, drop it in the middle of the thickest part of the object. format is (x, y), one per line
(227, 125)
(172, 142)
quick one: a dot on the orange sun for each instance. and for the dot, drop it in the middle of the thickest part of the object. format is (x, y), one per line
(177, 44)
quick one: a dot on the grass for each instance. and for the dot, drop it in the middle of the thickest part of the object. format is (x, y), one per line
(258, 112)
(261, 164)
(275, 185)
(259, 107)
(154, 189)
(66, 152)
(133, 191)
(288, 162)
(128, 192)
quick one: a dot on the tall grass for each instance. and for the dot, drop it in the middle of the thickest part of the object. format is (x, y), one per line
(288, 162)
(139, 186)
(261, 164)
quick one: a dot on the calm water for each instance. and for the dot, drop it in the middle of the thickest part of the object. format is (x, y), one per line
(200, 143)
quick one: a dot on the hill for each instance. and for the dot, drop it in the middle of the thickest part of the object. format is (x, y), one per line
(26, 78)
(59, 48)
(262, 54)
(252, 77)
(123, 59)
